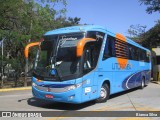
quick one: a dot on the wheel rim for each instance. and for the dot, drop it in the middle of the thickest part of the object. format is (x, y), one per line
(142, 83)
(103, 93)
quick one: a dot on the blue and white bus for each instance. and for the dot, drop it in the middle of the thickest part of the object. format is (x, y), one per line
(83, 63)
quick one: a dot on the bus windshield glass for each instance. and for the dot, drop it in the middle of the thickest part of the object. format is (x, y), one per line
(56, 58)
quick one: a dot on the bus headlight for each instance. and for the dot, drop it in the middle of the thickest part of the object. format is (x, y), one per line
(72, 87)
(34, 84)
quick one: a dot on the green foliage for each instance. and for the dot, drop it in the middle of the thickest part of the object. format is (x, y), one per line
(24, 21)
(148, 39)
(151, 38)
(135, 32)
(74, 21)
(152, 5)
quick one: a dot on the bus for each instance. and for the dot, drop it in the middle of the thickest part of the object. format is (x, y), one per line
(156, 63)
(83, 63)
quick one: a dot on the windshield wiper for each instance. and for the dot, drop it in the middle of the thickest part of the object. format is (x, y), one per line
(53, 60)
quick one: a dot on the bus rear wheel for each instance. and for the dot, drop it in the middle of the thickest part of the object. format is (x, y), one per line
(104, 94)
(142, 83)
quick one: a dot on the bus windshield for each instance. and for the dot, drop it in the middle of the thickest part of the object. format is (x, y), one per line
(56, 58)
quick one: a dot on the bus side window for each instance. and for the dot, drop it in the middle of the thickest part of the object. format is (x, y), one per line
(133, 53)
(130, 55)
(90, 57)
(109, 50)
(136, 54)
(141, 55)
(147, 56)
(87, 59)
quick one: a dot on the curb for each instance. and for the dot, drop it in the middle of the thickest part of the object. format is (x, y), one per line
(15, 89)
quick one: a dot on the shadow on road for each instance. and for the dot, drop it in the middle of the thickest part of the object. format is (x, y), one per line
(56, 105)
(67, 106)
(123, 93)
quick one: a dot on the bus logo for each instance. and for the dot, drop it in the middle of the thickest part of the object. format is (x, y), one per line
(49, 89)
(121, 48)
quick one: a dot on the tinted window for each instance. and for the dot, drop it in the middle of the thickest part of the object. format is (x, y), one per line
(130, 52)
(109, 50)
(95, 34)
(138, 54)
(90, 56)
(92, 51)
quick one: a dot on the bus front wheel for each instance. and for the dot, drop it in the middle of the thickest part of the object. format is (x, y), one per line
(104, 94)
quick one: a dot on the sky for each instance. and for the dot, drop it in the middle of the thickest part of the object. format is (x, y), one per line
(116, 15)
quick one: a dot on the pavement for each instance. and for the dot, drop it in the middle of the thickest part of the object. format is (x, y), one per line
(21, 99)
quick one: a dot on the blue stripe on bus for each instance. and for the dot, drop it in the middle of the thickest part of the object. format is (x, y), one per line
(134, 79)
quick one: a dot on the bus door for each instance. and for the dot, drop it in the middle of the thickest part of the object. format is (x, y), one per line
(90, 58)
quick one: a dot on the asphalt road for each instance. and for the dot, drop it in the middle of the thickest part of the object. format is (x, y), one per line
(147, 99)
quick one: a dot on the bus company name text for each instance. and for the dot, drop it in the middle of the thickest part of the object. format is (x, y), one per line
(118, 66)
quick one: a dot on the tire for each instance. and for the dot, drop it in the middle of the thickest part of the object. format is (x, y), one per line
(104, 94)
(142, 83)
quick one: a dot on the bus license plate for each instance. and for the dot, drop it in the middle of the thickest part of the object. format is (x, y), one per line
(49, 96)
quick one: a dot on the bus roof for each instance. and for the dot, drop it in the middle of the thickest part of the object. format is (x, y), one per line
(84, 28)
(72, 29)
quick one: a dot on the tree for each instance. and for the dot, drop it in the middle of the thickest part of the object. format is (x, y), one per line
(152, 5)
(74, 21)
(24, 21)
(151, 38)
(135, 32)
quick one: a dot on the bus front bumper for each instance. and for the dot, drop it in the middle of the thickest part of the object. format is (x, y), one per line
(71, 96)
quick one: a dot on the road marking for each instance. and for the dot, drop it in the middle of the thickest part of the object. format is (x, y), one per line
(57, 118)
(109, 108)
(146, 109)
(143, 108)
(133, 118)
(15, 89)
(112, 109)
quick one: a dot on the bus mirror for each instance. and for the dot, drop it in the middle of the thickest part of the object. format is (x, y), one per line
(81, 44)
(28, 46)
